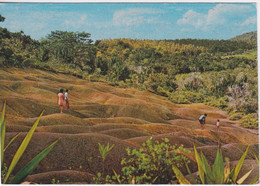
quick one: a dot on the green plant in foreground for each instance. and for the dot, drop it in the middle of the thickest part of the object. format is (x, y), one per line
(53, 181)
(152, 163)
(104, 150)
(25, 171)
(218, 173)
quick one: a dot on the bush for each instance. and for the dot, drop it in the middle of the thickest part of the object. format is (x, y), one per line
(235, 115)
(162, 92)
(156, 80)
(122, 84)
(216, 102)
(185, 97)
(249, 121)
(152, 163)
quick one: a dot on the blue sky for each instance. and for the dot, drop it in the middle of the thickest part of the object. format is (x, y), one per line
(132, 20)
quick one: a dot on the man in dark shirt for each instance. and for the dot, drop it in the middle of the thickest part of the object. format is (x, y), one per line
(202, 120)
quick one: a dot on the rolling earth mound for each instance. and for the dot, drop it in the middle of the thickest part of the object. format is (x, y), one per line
(100, 113)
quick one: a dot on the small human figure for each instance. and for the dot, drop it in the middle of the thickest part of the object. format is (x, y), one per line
(217, 124)
(60, 100)
(202, 120)
(66, 94)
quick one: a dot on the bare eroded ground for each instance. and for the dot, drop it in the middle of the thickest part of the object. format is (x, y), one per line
(101, 113)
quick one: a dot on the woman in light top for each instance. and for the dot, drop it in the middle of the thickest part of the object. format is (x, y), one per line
(61, 100)
(218, 124)
(67, 105)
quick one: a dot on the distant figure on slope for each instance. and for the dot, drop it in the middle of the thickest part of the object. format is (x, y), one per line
(202, 120)
(67, 105)
(60, 100)
(217, 124)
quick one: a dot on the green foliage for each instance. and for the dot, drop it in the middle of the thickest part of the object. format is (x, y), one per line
(249, 121)
(180, 176)
(24, 172)
(69, 47)
(54, 181)
(156, 81)
(104, 150)
(98, 178)
(17, 49)
(2, 127)
(256, 178)
(152, 163)
(216, 102)
(190, 82)
(184, 97)
(218, 173)
(11, 141)
(235, 115)
(2, 19)
(220, 73)
(4, 169)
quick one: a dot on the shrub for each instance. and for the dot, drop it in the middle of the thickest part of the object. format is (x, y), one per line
(191, 81)
(184, 97)
(156, 80)
(235, 115)
(249, 121)
(122, 84)
(162, 92)
(216, 102)
(152, 163)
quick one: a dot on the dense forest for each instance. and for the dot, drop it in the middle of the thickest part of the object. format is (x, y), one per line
(219, 73)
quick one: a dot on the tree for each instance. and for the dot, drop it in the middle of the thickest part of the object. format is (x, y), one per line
(70, 47)
(2, 19)
(240, 96)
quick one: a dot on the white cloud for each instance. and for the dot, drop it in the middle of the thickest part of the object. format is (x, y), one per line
(219, 15)
(135, 16)
(250, 20)
(40, 23)
(76, 21)
(193, 18)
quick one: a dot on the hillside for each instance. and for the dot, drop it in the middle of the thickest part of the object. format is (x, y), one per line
(219, 73)
(101, 113)
(250, 36)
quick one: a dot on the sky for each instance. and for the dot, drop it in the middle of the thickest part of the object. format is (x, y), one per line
(132, 20)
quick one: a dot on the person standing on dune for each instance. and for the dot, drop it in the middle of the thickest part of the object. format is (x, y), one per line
(60, 100)
(67, 105)
(217, 124)
(202, 120)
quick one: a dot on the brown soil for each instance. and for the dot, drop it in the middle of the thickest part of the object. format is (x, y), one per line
(104, 114)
